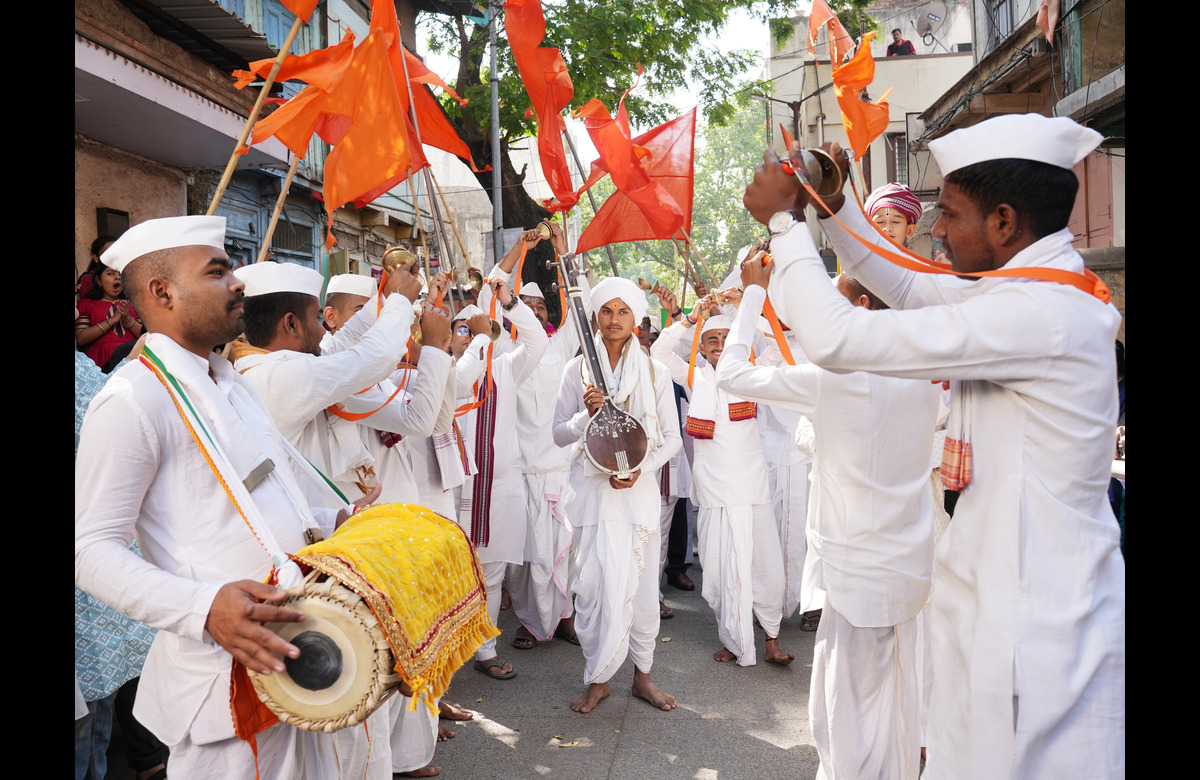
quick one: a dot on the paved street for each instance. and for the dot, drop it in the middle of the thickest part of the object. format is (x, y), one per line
(731, 723)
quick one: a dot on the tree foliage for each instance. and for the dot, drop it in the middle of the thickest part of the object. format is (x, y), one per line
(602, 43)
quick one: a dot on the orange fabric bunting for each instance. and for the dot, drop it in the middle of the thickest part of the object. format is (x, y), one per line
(545, 76)
(840, 42)
(653, 174)
(864, 122)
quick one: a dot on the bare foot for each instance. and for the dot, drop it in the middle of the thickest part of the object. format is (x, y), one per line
(444, 734)
(644, 689)
(775, 655)
(449, 711)
(505, 600)
(587, 701)
(429, 770)
(724, 656)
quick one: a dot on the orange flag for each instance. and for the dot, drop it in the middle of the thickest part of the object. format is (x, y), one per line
(664, 157)
(545, 76)
(320, 68)
(436, 130)
(864, 122)
(840, 42)
(787, 137)
(301, 8)
(370, 151)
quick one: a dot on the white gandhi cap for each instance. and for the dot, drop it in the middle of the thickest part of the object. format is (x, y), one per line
(1056, 141)
(352, 284)
(154, 235)
(268, 277)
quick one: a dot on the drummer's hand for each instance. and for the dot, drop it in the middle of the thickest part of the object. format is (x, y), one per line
(621, 484)
(593, 399)
(236, 619)
(359, 505)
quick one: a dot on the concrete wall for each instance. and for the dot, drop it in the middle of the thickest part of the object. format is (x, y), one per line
(106, 177)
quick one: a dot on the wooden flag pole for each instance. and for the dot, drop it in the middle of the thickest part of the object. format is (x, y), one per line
(461, 246)
(250, 120)
(688, 242)
(283, 191)
(612, 261)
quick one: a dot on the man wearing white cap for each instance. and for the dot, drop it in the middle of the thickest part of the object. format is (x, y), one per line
(870, 533)
(1028, 614)
(180, 450)
(314, 398)
(739, 542)
(616, 590)
(540, 587)
(345, 296)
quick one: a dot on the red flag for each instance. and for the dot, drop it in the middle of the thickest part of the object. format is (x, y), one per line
(665, 156)
(864, 122)
(545, 76)
(301, 8)
(840, 42)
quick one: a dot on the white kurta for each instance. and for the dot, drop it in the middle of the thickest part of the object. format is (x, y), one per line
(616, 591)
(739, 544)
(139, 470)
(298, 388)
(790, 472)
(540, 587)
(1028, 618)
(503, 499)
(870, 529)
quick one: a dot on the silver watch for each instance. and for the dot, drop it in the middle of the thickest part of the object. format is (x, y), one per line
(780, 221)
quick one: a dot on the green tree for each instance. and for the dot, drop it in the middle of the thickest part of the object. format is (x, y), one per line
(602, 44)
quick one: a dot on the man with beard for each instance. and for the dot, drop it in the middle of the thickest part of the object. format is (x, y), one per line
(180, 450)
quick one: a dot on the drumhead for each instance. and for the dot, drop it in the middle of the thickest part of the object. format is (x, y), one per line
(336, 682)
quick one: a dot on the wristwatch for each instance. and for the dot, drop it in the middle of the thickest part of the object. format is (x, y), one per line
(512, 303)
(780, 221)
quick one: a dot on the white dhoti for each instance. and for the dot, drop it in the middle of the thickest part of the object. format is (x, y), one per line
(540, 588)
(616, 597)
(284, 753)
(743, 574)
(363, 750)
(789, 499)
(864, 702)
(493, 575)
(414, 735)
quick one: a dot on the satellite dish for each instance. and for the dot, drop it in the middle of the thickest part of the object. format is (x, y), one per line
(932, 19)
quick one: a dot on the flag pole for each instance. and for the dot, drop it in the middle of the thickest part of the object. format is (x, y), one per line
(250, 120)
(688, 242)
(612, 261)
(462, 247)
(439, 230)
(283, 191)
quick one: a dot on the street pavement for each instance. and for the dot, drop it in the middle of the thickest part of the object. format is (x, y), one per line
(732, 722)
